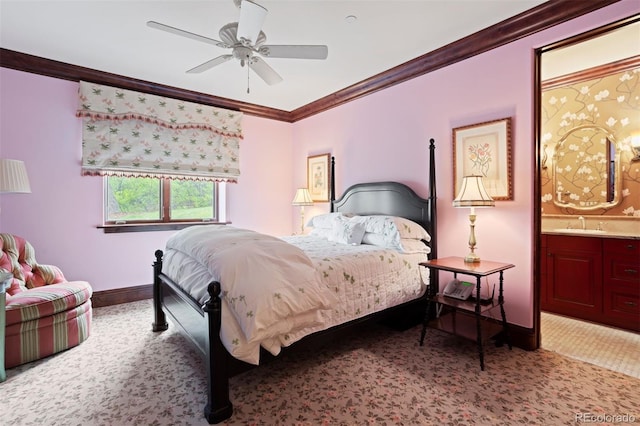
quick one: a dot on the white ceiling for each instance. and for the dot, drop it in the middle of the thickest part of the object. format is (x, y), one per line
(112, 36)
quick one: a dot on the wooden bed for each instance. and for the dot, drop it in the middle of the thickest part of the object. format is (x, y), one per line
(201, 324)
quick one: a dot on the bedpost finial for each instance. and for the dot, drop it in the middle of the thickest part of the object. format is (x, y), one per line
(214, 303)
(158, 254)
(214, 289)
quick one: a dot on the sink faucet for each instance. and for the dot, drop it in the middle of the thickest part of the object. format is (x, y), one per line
(582, 222)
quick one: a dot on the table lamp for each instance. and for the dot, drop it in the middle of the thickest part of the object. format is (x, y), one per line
(13, 177)
(472, 194)
(302, 198)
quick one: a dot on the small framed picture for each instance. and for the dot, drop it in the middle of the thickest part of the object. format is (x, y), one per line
(318, 177)
(484, 149)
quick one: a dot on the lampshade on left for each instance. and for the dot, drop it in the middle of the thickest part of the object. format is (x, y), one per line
(13, 177)
(302, 198)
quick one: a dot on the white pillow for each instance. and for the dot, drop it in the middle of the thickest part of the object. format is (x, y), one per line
(388, 241)
(409, 229)
(323, 220)
(346, 231)
(390, 231)
(388, 225)
(381, 231)
(410, 245)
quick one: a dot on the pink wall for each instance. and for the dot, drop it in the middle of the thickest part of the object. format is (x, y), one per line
(59, 217)
(262, 198)
(383, 136)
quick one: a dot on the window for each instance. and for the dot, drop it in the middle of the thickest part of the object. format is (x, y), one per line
(135, 200)
(177, 157)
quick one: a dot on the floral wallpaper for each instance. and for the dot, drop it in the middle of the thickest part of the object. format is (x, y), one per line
(607, 102)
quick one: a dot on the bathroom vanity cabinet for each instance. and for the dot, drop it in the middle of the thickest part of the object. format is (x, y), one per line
(621, 282)
(592, 278)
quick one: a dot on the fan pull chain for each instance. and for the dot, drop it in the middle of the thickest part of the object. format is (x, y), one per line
(247, 78)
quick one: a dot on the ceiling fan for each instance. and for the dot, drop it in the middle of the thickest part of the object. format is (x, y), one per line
(246, 40)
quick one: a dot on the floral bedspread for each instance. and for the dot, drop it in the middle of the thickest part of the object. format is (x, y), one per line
(365, 278)
(332, 283)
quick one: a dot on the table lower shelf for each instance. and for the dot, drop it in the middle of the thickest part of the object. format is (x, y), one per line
(465, 305)
(463, 324)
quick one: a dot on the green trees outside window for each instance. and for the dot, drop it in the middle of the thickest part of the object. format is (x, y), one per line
(158, 200)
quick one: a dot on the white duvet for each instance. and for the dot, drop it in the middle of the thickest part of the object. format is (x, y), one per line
(275, 291)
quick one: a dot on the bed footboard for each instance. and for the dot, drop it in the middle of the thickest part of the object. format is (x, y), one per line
(183, 308)
(160, 320)
(218, 406)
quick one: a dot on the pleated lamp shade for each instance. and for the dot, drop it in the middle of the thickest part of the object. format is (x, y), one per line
(13, 177)
(473, 194)
(302, 198)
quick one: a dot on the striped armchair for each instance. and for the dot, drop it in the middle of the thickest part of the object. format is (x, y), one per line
(44, 313)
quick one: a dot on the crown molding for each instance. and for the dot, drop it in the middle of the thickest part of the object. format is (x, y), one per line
(544, 16)
(48, 67)
(539, 18)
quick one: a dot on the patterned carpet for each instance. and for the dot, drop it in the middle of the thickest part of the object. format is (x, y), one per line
(124, 374)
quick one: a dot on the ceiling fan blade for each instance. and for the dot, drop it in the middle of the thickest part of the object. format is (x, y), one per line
(183, 33)
(260, 67)
(295, 51)
(210, 64)
(252, 17)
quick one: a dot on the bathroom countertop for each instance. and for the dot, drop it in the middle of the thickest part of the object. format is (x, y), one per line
(612, 226)
(606, 234)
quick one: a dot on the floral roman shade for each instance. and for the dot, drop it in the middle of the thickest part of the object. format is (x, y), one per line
(128, 133)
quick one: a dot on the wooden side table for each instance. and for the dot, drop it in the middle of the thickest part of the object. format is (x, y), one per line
(457, 265)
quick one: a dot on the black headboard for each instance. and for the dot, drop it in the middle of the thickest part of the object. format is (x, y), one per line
(385, 198)
(394, 199)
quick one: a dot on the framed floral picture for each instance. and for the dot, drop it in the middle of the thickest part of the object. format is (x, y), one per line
(318, 177)
(484, 149)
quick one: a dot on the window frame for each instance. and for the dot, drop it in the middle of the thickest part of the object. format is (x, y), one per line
(165, 223)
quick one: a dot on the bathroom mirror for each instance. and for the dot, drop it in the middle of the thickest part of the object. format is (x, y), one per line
(586, 169)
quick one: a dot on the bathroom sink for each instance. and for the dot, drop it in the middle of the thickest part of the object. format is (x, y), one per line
(579, 231)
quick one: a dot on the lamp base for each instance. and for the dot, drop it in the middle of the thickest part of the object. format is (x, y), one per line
(472, 258)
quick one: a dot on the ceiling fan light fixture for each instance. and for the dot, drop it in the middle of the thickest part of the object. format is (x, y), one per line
(246, 39)
(242, 54)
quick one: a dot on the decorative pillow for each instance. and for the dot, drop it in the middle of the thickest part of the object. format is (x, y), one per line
(323, 220)
(409, 229)
(389, 224)
(383, 230)
(388, 241)
(410, 245)
(346, 231)
(390, 231)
